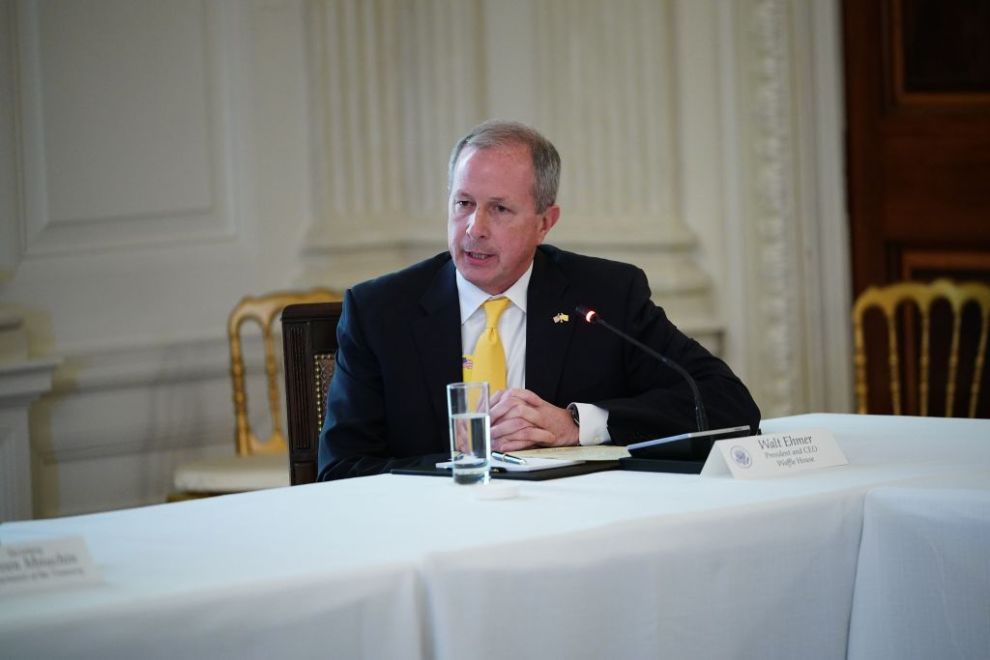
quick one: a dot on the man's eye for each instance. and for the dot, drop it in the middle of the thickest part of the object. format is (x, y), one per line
(501, 208)
(462, 203)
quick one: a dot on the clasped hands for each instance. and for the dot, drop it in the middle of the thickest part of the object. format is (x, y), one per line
(522, 420)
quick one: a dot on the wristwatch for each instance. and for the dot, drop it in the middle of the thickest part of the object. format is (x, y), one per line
(575, 415)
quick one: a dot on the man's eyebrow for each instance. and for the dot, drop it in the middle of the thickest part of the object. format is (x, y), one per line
(488, 200)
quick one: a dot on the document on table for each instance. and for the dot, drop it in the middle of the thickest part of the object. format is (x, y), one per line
(584, 453)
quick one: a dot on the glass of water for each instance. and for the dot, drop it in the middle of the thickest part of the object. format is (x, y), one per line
(470, 431)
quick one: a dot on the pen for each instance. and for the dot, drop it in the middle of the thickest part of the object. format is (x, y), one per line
(508, 458)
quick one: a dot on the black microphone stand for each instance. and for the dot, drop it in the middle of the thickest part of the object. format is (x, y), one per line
(686, 452)
(701, 419)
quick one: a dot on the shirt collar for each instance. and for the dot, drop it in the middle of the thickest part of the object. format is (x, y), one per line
(471, 297)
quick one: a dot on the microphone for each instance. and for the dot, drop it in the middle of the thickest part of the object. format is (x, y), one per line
(686, 452)
(701, 419)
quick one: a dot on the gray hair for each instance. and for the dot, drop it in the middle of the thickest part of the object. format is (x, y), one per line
(498, 133)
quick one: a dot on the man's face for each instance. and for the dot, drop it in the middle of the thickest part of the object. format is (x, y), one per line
(492, 224)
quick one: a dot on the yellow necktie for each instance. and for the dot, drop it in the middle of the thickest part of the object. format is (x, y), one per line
(488, 361)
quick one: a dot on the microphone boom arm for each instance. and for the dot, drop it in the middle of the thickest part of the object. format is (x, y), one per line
(701, 419)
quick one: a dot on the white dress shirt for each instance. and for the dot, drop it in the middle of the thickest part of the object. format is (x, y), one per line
(593, 429)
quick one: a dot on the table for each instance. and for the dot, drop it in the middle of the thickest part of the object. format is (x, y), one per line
(612, 564)
(923, 577)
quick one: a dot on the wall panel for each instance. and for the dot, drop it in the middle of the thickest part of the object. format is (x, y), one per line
(123, 140)
(160, 154)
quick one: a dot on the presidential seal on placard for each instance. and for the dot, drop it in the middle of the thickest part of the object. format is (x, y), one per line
(741, 457)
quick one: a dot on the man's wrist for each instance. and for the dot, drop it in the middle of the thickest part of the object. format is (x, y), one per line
(591, 422)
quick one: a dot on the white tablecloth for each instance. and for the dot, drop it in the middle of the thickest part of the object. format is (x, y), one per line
(923, 579)
(615, 564)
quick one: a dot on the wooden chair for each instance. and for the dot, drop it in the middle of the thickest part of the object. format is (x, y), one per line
(256, 462)
(915, 377)
(309, 338)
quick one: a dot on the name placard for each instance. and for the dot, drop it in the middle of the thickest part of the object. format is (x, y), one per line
(48, 564)
(774, 454)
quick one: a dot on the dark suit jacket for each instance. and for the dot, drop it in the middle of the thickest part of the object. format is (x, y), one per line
(400, 344)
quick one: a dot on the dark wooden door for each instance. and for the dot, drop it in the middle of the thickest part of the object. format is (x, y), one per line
(917, 90)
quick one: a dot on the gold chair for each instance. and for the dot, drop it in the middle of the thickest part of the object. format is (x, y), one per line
(257, 463)
(916, 375)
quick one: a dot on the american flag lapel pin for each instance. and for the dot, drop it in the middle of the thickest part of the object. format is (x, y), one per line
(561, 318)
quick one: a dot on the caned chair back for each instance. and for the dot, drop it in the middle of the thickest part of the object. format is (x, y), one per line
(263, 310)
(309, 338)
(923, 295)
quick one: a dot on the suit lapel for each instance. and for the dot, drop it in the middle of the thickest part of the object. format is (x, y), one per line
(435, 333)
(547, 339)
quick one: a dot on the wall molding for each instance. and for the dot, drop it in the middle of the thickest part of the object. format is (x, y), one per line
(21, 383)
(829, 344)
(773, 147)
(11, 217)
(786, 203)
(393, 85)
(121, 367)
(43, 232)
(204, 435)
(185, 385)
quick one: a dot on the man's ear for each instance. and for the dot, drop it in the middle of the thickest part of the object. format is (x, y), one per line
(548, 219)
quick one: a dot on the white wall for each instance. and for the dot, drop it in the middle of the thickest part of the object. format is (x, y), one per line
(162, 156)
(166, 158)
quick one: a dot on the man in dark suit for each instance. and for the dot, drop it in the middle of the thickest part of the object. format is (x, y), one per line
(403, 336)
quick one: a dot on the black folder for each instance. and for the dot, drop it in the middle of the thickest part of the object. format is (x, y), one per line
(536, 475)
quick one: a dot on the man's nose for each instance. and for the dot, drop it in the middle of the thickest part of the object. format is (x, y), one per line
(478, 223)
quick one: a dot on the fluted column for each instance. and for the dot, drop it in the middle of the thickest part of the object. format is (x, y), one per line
(607, 77)
(606, 74)
(394, 83)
